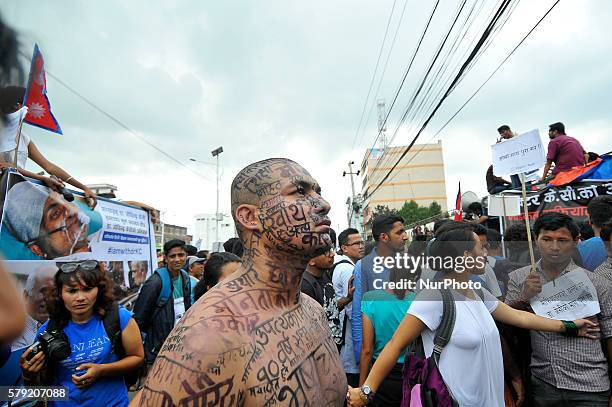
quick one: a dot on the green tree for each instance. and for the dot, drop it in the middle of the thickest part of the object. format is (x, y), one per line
(383, 210)
(411, 212)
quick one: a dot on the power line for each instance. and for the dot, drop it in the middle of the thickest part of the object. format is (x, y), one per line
(401, 85)
(486, 80)
(365, 103)
(414, 107)
(382, 75)
(502, 8)
(121, 124)
(117, 121)
(423, 81)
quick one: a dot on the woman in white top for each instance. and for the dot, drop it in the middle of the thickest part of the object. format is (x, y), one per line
(471, 363)
(10, 103)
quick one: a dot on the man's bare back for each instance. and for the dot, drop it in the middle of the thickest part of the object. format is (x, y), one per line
(254, 339)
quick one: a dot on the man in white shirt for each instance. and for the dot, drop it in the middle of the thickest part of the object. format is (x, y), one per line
(352, 248)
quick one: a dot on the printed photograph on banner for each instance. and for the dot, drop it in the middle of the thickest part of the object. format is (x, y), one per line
(39, 224)
(138, 273)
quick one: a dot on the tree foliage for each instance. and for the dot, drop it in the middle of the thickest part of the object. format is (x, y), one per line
(411, 212)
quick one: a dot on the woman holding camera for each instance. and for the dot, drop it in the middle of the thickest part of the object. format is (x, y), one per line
(74, 348)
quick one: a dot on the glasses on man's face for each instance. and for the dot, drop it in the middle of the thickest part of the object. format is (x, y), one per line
(361, 243)
(86, 265)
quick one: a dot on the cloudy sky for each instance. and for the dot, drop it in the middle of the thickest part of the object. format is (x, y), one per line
(290, 79)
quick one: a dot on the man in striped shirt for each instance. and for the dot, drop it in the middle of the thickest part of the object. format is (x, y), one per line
(565, 371)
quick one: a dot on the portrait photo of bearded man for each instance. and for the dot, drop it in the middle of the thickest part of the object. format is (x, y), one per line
(45, 223)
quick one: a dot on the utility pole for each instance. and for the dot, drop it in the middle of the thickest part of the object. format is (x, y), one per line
(354, 206)
(382, 128)
(216, 153)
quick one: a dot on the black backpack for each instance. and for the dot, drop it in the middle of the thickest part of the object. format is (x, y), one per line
(112, 327)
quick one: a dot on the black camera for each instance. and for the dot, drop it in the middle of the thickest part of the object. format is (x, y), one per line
(53, 344)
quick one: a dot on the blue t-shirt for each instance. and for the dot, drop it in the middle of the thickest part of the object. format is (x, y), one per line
(90, 344)
(385, 311)
(593, 252)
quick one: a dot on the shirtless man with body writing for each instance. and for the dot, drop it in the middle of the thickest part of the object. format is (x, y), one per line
(254, 339)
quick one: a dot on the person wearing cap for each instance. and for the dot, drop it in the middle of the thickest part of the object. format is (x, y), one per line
(195, 268)
(564, 151)
(47, 225)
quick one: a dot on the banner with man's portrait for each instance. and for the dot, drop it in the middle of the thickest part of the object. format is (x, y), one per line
(41, 227)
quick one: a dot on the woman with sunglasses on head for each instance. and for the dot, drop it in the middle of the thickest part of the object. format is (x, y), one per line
(76, 351)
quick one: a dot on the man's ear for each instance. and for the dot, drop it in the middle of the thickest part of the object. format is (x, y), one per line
(246, 216)
(37, 250)
(384, 237)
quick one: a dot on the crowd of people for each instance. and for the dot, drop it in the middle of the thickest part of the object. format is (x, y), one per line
(292, 313)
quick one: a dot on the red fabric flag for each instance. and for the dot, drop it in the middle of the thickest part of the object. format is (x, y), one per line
(39, 108)
(458, 211)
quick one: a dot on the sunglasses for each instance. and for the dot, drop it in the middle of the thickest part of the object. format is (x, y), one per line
(86, 265)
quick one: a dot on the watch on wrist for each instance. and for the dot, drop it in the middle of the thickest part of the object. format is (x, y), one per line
(367, 394)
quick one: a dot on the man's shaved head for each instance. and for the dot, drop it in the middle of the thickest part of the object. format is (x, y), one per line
(248, 186)
(283, 205)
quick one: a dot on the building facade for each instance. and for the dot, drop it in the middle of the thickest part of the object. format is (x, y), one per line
(419, 177)
(206, 230)
(166, 231)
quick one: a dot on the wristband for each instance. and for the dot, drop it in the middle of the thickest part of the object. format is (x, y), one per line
(570, 328)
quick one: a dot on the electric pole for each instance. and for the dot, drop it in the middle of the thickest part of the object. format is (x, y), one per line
(355, 205)
(215, 153)
(382, 128)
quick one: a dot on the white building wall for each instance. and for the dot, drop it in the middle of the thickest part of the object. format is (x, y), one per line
(205, 229)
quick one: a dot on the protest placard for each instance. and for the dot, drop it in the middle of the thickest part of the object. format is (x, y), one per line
(519, 154)
(569, 297)
(40, 227)
(508, 205)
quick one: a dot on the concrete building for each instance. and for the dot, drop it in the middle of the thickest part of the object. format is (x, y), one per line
(170, 232)
(419, 177)
(104, 190)
(205, 229)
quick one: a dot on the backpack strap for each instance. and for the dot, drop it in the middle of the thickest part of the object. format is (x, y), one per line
(445, 329)
(53, 325)
(331, 270)
(113, 330)
(187, 285)
(165, 291)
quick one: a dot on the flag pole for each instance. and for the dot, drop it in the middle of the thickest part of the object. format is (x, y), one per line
(18, 141)
(501, 225)
(526, 210)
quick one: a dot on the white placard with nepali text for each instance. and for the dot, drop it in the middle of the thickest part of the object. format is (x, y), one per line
(519, 154)
(569, 297)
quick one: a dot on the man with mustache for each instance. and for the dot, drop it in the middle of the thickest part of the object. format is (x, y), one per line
(48, 225)
(254, 339)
